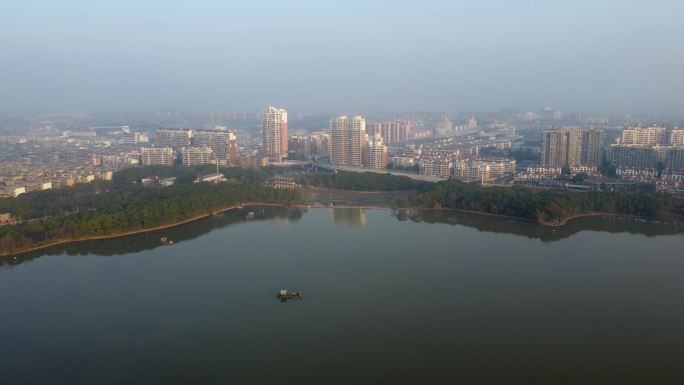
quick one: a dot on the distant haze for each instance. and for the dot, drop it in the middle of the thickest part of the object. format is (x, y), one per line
(624, 55)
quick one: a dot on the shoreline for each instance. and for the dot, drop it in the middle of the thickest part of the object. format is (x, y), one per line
(561, 223)
(142, 231)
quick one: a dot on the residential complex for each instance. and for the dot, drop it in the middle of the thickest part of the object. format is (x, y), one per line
(571, 147)
(196, 156)
(649, 149)
(223, 144)
(304, 146)
(391, 131)
(172, 137)
(156, 155)
(483, 170)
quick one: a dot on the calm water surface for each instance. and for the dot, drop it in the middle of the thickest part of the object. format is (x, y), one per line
(408, 299)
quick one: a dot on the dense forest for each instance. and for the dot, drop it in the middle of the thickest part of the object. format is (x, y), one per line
(544, 206)
(124, 205)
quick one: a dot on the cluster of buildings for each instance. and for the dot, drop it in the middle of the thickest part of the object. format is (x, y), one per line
(429, 143)
(48, 161)
(468, 169)
(649, 152)
(303, 147)
(192, 148)
(350, 144)
(572, 147)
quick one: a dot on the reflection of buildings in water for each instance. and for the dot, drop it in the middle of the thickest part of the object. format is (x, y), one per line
(349, 217)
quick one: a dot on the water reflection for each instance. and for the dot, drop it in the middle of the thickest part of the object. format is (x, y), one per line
(533, 230)
(349, 217)
(151, 240)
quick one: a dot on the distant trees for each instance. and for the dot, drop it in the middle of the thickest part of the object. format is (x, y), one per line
(123, 205)
(547, 205)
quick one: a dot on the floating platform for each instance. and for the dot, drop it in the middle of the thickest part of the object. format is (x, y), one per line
(284, 295)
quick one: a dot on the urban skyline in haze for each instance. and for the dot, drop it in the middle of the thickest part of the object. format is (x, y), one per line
(613, 56)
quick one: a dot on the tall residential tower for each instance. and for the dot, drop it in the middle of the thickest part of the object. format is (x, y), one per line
(275, 134)
(348, 140)
(572, 148)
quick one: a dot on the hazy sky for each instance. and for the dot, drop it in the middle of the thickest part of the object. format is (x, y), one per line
(347, 55)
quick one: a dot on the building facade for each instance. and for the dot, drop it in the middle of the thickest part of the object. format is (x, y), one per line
(304, 146)
(377, 155)
(571, 148)
(347, 141)
(645, 136)
(275, 134)
(222, 143)
(173, 137)
(156, 156)
(483, 170)
(195, 156)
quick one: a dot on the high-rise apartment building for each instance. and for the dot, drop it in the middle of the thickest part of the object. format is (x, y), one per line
(195, 156)
(677, 137)
(646, 136)
(302, 147)
(222, 143)
(391, 131)
(173, 137)
(348, 140)
(592, 148)
(377, 156)
(640, 157)
(156, 155)
(649, 148)
(275, 134)
(571, 147)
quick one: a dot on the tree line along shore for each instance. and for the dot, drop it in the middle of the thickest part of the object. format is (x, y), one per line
(125, 206)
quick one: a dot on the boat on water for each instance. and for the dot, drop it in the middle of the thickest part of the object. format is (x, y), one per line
(165, 241)
(284, 295)
(250, 215)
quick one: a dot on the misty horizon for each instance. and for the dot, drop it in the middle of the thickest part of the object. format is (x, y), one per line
(385, 56)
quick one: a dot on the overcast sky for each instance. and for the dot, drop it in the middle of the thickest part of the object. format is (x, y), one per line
(91, 55)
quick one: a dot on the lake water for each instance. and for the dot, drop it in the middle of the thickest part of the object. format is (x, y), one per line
(428, 298)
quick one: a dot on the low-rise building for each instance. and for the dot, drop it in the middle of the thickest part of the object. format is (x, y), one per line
(211, 178)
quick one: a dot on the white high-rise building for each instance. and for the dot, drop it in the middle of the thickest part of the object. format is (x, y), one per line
(348, 140)
(377, 153)
(649, 136)
(275, 134)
